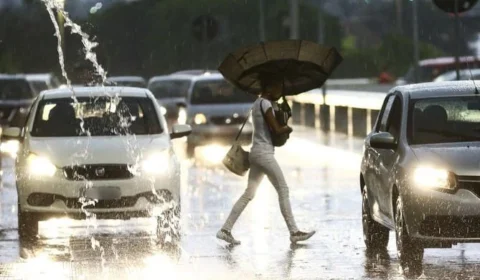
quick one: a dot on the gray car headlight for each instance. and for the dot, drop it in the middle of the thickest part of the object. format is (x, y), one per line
(433, 178)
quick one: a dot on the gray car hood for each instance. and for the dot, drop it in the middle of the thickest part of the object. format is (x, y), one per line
(462, 159)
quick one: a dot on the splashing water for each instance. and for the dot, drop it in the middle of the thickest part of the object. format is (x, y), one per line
(50, 5)
(167, 227)
(90, 55)
(75, 29)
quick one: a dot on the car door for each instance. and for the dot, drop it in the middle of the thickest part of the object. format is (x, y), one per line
(388, 157)
(372, 173)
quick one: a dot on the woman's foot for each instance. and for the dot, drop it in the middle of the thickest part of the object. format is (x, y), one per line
(227, 236)
(300, 236)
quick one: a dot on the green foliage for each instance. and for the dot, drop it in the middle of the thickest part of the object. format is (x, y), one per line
(395, 53)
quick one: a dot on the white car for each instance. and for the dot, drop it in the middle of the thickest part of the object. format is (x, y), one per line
(108, 154)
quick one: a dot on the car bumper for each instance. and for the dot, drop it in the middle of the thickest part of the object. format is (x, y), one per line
(202, 134)
(133, 197)
(433, 215)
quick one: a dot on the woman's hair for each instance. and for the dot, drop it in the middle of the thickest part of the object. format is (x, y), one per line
(268, 79)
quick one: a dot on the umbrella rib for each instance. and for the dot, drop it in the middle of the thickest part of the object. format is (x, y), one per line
(299, 48)
(264, 50)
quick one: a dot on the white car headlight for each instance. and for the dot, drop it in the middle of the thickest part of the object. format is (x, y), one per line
(10, 147)
(200, 119)
(157, 163)
(40, 166)
(433, 178)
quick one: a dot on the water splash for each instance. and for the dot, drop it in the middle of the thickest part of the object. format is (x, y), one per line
(50, 5)
(88, 45)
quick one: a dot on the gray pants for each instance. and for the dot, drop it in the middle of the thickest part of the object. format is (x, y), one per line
(261, 165)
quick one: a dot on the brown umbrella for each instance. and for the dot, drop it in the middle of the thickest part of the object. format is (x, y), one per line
(302, 65)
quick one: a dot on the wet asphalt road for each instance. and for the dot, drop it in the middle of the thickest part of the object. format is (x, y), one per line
(322, 171)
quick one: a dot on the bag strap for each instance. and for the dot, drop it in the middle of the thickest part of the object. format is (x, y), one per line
(243, 125)
(263, 114)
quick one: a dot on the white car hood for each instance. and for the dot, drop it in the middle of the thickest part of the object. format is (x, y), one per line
(67, 151)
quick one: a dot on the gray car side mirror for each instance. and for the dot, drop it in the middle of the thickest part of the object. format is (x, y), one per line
(383, 140)
(180, 130)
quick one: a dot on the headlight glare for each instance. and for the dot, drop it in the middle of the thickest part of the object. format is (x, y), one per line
(10, 147)
(433, 178)
(200, 119)
(156, 164)
(40, 166)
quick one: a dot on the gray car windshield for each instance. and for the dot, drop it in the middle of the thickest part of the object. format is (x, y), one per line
(218, 92)
(444, 120)
(170, 88)
(101, 116)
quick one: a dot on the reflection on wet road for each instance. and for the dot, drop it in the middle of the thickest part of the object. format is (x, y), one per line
(322, 172)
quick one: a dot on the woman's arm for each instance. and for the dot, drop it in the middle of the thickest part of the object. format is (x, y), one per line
(273, 123)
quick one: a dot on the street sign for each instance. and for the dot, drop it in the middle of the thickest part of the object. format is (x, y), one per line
(205, 28)
(448, 6)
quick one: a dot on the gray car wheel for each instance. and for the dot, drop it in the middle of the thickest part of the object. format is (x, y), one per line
(375, 235)
(410, 253)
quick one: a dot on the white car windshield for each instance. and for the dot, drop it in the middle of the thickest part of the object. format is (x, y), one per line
(99, 116)
(444, 120)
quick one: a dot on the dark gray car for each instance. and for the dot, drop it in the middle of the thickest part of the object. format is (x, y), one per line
(216, 110)
(420, 173)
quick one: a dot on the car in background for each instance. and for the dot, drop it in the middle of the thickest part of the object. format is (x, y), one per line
(195, 72)
(216, 110)
(465, 74)
(133, 170)
(420, 174)
(171, 92)
(429, 69)
(16, 94)
(40, 82)
(127, 81)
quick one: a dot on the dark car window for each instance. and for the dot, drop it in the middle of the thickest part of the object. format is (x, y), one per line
(218, 92)
(395, 118)
(100, 116)
(382, 126)
(139, 84)
(170, 88)
(15, 89)
(444, 120)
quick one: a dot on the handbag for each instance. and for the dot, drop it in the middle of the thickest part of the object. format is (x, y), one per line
(282, 115)
(236, 159)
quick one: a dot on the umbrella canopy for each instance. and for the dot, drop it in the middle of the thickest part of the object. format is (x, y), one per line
(302, 65)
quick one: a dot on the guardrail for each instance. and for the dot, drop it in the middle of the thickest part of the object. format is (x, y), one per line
(352, 112)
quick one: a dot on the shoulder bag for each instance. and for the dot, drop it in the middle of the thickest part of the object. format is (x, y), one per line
(236, 159)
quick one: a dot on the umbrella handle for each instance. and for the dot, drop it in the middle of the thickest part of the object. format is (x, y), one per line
(286, 107)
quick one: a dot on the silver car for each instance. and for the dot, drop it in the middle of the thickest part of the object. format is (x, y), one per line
(420, 173)
(171, 92)
(216, 110)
